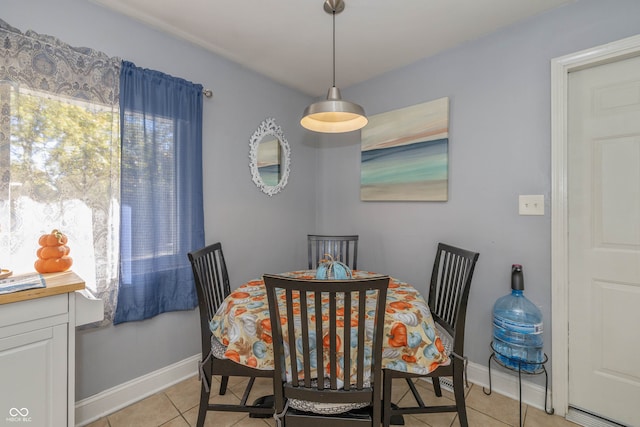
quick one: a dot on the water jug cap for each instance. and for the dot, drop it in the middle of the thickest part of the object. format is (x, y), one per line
(517, 279)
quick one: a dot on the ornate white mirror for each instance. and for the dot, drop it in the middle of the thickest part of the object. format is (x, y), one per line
(270, 157)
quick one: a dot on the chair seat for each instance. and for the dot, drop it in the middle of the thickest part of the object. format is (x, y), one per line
(217, 348)
(446, 338)
(324, 408)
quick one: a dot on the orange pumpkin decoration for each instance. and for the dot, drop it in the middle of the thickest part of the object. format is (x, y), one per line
(326, 341)
(408, 358)
(400, 305)
(398, 337)
(53, 253)
(266, 324)
(233, 355)
(240, 295)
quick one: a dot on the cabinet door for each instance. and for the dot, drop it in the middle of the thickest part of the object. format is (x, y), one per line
(33, 369)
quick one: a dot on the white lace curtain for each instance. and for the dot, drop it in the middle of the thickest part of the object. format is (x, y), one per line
(59, 155)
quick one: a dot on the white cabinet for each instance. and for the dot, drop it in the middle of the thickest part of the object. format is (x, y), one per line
(37, 348)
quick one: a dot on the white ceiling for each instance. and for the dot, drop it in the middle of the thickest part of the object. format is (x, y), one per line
(290, 41)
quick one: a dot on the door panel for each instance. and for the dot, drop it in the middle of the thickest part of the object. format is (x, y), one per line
(616, 206)
(604, 240)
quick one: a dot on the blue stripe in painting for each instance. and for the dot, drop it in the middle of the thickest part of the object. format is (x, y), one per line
(417, 162)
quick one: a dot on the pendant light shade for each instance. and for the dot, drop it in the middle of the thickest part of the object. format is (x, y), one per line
(333, 115)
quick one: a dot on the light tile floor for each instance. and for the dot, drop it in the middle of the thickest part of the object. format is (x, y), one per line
(177, 406)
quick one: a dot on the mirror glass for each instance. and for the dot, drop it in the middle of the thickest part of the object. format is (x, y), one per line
(269, 161)
(269, 157)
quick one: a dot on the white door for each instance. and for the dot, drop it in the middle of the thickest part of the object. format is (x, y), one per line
(604, 240)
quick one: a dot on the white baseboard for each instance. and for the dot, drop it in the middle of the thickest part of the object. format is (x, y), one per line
(116, 398)
(92, 408)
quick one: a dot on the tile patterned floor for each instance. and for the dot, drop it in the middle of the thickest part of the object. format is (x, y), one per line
(177, 406)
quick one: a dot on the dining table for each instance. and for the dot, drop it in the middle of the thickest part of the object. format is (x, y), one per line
(411, 343)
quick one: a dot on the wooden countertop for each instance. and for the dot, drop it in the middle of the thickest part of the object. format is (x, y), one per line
(57, 283)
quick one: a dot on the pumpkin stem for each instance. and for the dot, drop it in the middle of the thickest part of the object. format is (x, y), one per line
(58, 235)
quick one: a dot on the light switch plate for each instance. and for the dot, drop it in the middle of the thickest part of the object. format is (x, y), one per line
(531, 204)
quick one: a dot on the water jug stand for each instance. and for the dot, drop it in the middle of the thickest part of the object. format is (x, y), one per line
(537, 371)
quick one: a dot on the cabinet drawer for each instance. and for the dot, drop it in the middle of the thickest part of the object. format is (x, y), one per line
(35, 309)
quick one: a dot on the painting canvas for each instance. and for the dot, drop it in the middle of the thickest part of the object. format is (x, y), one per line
(405, 154)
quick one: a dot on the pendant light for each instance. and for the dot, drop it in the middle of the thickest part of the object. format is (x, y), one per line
(333, 115)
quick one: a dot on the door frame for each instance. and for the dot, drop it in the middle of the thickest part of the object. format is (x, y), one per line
(560, 68)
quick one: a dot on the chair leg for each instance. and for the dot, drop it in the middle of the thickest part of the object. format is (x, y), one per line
(458, 391)
(377, 408)
(436, 386)
(224, 381)
(386, 398)
(204, 401)
(279, 402)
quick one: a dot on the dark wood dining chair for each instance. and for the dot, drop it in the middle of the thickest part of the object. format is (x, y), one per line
(448, 294)
(212, 285)
(303, 399)
(341, 248)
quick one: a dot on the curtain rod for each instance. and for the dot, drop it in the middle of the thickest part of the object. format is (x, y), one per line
(207, 92)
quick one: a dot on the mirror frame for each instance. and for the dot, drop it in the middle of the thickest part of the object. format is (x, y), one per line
(269, 127)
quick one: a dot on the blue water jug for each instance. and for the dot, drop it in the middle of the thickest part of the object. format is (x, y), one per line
(517, 328)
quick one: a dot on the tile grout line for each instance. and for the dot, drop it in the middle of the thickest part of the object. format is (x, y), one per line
(180, 414)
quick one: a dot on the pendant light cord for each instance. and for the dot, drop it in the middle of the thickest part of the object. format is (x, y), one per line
(334, 47)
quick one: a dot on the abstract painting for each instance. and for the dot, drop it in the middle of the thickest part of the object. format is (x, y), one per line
(405, 154)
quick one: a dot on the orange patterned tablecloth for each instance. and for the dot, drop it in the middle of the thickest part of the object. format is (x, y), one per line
(410, 341)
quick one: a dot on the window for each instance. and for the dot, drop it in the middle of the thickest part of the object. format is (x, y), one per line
(59, 155)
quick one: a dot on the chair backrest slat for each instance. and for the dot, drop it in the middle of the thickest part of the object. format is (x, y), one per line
(333, 350)
(318, 334)
(291, 329)
(362, 312)
(304, 320)
(347, 338)
(341, 248)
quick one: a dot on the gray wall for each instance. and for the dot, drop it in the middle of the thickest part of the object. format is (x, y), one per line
(499, 90)
(500, 125)
(259, 233)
